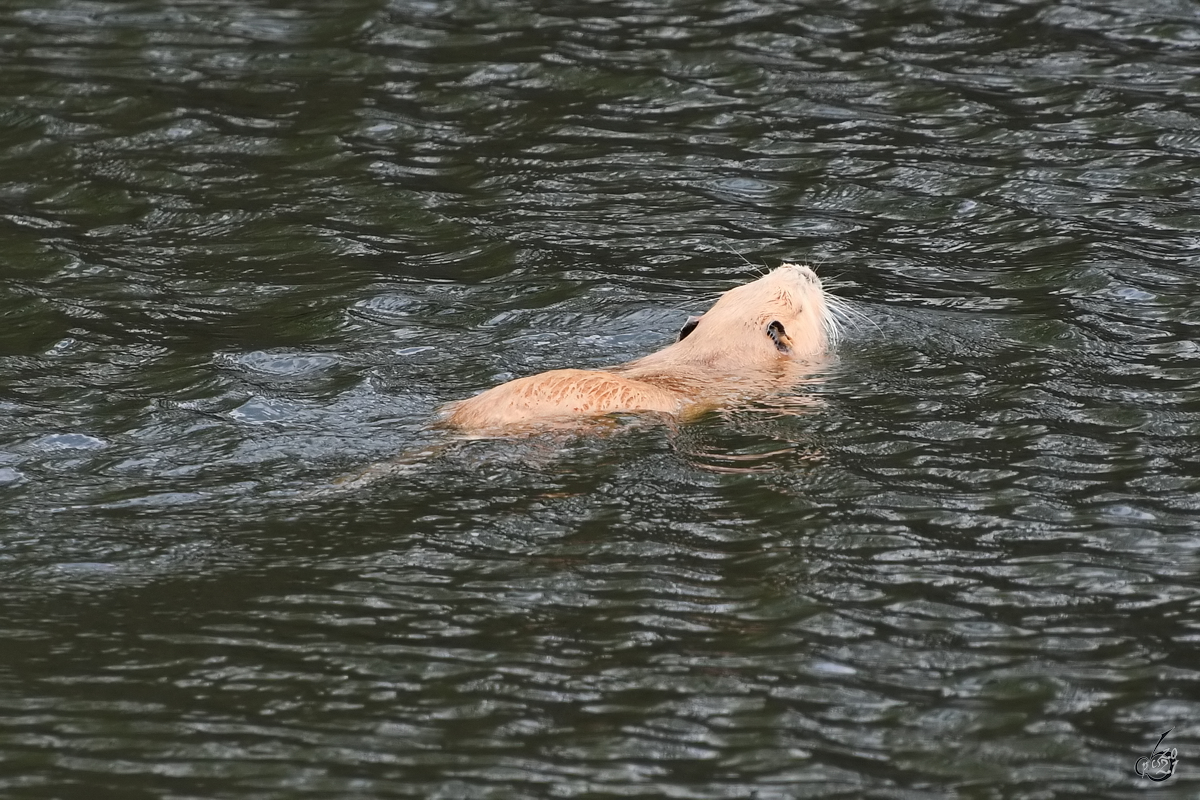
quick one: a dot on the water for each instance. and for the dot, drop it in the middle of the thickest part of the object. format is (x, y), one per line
(249, 248)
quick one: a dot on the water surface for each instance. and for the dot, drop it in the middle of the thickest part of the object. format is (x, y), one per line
(248, 248)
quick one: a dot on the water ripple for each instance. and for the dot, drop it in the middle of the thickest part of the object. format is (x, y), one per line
(250, 250)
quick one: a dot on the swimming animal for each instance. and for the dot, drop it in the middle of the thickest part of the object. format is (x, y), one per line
(757, 338)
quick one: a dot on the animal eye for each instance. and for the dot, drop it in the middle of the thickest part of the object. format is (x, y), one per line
(778, 336)
(688, 327)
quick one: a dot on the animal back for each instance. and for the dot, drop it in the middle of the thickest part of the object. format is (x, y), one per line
(559, 394)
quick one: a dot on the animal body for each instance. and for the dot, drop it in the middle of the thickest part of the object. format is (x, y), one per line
(757, 338)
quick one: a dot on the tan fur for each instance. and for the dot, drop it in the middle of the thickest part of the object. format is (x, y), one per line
(730, 354)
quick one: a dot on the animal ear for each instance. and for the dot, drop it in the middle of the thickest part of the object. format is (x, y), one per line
(779, 336)
(688, 327)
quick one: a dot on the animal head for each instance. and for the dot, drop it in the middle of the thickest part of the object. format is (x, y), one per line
(782, 315)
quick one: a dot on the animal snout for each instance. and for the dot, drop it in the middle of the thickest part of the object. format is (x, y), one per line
(803, 271)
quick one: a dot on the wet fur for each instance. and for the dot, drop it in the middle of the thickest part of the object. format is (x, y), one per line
(756, 338)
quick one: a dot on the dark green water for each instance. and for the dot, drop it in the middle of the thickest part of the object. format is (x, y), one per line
(248, 247)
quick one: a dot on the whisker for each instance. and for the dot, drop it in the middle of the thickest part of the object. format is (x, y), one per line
(847, 315)
(747, 261)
